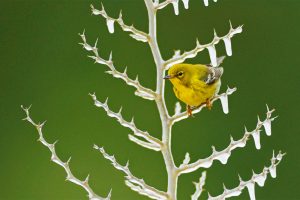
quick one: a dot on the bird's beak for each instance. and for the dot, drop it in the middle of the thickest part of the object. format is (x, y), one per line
(168, 77)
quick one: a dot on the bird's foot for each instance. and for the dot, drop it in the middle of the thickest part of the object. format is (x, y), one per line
(189, 111)
(208, 104)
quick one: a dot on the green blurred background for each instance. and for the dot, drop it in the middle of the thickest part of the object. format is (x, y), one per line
(43, 65)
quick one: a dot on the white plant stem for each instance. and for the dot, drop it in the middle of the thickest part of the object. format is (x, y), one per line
(160, 102)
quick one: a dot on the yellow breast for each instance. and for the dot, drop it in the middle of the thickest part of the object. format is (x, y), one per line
(196, 97)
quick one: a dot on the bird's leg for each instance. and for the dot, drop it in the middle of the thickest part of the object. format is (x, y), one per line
(189, 110)
(208, 104)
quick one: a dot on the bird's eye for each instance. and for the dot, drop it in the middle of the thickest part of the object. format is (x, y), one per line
(180, 74)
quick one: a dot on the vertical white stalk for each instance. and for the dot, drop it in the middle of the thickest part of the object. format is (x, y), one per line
(160, 102)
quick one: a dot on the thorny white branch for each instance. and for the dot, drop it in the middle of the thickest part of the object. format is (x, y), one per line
(136, 34)
(179, 58)
(175, 4)
(153, 143)
(141, 91)
(223, 155)
(199, 186)
(133, 182)
(250, 184)
(66, 165)
(167, 2)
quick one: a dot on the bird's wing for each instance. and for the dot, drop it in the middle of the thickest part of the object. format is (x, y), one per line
(214, 74)
(198, 84)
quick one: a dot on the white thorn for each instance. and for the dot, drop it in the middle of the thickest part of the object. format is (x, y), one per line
(215, 34)
(224, 187)
(120, 110)
(230, 25)
(198, 43)
(96, 43)
(106, 101)
(87, 179)
(231, 139)
(240, 178)
(110, 56)
(120, 14)
(102, 7)
(125, 71)
(68, 161)
(213, 149)
(109, 194)
(132, 121)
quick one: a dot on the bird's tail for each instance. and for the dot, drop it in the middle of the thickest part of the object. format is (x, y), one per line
(219, 62)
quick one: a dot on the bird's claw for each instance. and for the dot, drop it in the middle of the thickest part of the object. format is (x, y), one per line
(208, 104)
(189, 111)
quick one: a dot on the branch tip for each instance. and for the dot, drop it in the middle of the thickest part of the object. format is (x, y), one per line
(154, 143)
(133, 182)
(143, 92)
(224, 155)
(210, 46)
(54, 158)
(199, 186)
(250, 184)
(136, 34)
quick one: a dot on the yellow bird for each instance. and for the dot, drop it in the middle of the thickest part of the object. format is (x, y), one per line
(195, 84)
